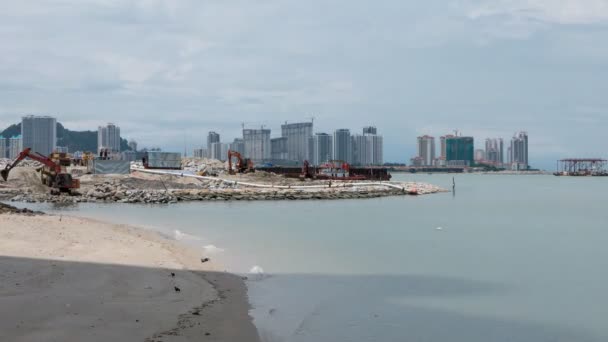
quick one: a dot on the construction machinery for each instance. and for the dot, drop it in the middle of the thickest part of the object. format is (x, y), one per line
(243, 165)
(52, 174)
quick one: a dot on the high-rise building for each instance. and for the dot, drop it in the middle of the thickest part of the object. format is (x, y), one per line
(297, 135)
(3, 147)
(442, 140)
(370, 130)
(495, 151)
(212, 137)
(108, 138)
(215, 151)
(480, 155)
(321, 149)
(238, 146)
(367, 149)
(133, 145)
(426, 149)
(459, 151)
(342, 145)
(257, 144)
(15, 146)
(39, 133)
(279, 149)
(219, 151)
(519, 152)
(199, 153)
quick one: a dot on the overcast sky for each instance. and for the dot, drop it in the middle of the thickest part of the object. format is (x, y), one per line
(169, 71)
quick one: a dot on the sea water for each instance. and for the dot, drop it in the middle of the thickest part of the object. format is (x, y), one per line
(503, 258)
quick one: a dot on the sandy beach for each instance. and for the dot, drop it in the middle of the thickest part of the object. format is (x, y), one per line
(73, 279)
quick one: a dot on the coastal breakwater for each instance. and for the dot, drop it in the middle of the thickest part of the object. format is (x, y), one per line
(111, 192)
(157, 187)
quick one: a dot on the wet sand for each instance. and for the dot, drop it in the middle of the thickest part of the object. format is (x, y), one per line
(74, 279)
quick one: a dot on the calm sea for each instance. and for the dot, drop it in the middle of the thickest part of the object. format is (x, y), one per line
(504, 258)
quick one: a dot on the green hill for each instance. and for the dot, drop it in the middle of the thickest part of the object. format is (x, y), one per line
(74, 140)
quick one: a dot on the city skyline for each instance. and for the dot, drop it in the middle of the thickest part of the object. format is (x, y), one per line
(489, 70)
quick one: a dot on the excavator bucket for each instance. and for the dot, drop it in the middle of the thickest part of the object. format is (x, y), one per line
(4, 174)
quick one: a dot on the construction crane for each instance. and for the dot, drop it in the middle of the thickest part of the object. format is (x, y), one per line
(51, 174)
(242, 165)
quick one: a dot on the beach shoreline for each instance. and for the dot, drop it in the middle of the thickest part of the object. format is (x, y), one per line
(73, 279)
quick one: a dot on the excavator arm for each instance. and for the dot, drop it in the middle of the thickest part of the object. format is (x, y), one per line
(27, 153)
(242, 165)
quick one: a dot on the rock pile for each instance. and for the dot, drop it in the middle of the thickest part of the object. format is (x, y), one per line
(9, 209)
(23, 163)
(116, 192)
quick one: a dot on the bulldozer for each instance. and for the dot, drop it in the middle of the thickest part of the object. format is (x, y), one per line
(52, 173)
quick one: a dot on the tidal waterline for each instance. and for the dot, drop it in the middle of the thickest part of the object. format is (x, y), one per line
(504, 258)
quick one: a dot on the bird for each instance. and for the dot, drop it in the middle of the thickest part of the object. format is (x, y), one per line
(204, 260)
(177, 289)
(172, 274)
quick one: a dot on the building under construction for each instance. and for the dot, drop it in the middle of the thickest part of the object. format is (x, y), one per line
(582, 167)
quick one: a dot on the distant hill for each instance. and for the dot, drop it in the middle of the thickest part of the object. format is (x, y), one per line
(74, 140)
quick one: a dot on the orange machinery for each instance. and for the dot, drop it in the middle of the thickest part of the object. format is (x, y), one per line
(52, 173)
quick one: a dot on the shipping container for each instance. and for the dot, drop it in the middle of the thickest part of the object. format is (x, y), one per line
(105, 167)
(163, 160)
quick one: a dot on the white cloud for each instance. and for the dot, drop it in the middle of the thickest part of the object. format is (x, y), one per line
(549, 11)
(163, 69)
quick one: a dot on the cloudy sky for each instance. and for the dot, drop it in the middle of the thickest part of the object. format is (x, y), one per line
(169, 71)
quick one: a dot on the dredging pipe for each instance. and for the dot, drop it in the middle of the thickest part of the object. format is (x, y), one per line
(270, 186)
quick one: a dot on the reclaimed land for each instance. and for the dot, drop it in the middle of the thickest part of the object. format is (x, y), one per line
(139, 187)
(75, 279)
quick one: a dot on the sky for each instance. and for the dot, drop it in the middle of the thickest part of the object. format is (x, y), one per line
(167, 72)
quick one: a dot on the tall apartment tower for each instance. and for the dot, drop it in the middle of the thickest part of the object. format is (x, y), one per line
(279, 149)
(495, 151)
(298, 135)
(443, 145)
(212, 137)
(3, 147)
(39, 133)
(460, 151)
(238, 145)
(15, 146)
(519, 152)
(367, 149)
(321, 148)
(133, 145)
(257, 144)
(342, 145)
(426, 149)
(108, 137)
(370, 130)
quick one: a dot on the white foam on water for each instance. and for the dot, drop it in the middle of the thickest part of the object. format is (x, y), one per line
(256, 270)
(257, 273)
(439, 228)
(183, 236)
(212, 249)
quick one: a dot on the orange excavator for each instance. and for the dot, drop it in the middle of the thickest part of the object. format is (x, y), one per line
(243, 165)
(51, 174)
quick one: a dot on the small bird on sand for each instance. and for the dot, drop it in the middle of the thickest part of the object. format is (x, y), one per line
(204, 260)
(177, 289)
(172, 274)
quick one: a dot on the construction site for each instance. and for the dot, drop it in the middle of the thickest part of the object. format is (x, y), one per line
(582, 167)
(168, 178)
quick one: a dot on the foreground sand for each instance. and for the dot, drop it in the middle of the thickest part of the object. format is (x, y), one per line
(72, 279)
